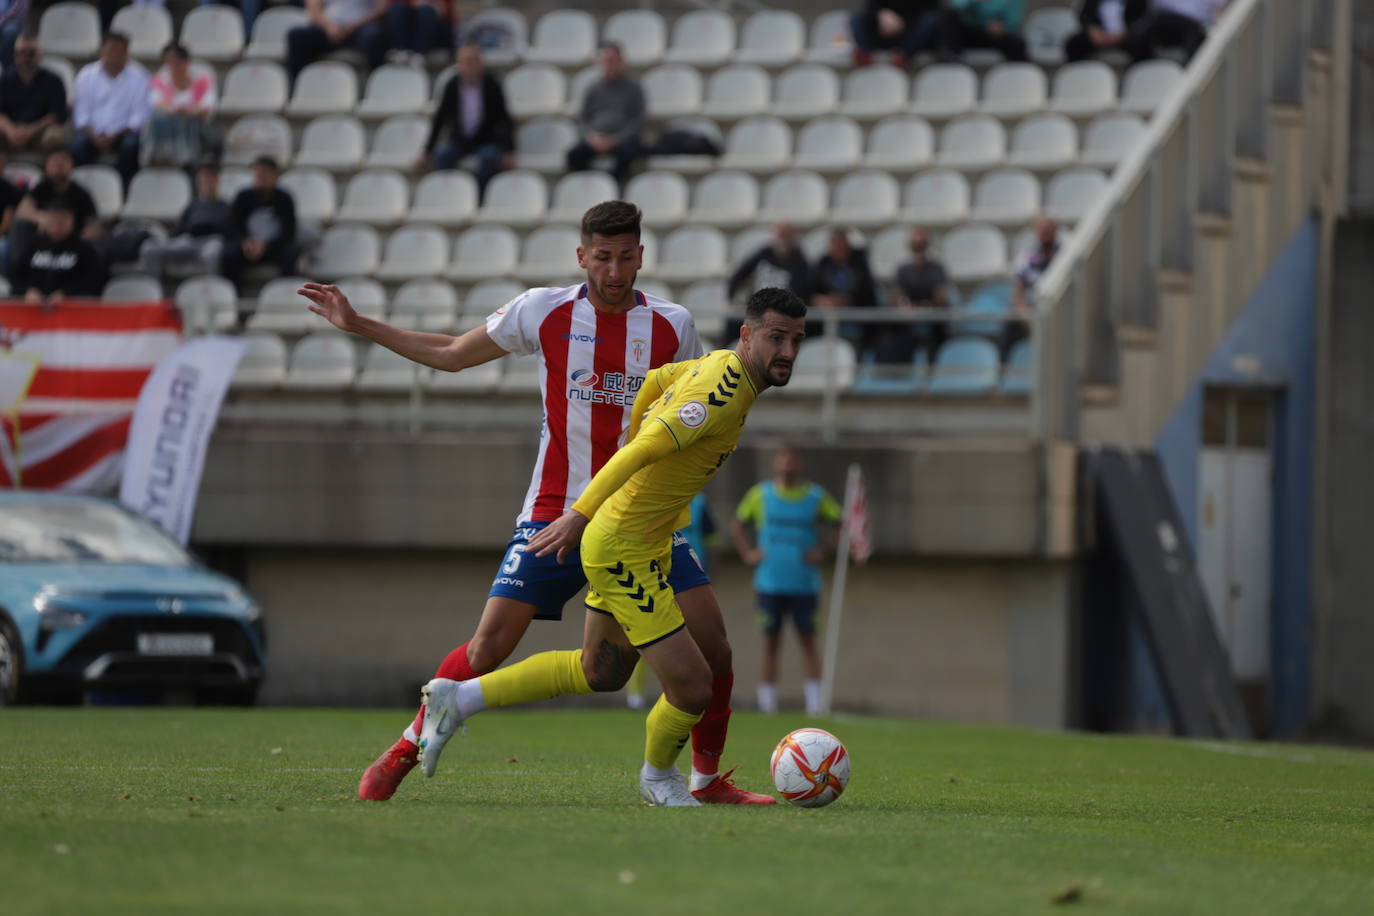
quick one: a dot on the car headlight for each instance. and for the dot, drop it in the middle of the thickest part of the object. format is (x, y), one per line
(53, 618)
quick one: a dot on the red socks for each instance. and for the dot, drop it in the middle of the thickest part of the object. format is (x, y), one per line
(708, 736)
(455, 667)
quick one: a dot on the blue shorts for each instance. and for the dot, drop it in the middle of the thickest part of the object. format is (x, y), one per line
(800, 608)
(548, 584)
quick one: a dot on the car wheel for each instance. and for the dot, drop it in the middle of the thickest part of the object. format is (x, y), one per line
(11, 664)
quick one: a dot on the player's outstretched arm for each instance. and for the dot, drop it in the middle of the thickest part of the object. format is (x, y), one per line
(438, 351)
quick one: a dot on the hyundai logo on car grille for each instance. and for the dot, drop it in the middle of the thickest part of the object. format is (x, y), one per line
(171, 605)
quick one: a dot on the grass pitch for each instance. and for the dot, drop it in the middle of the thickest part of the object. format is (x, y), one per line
(253, 811)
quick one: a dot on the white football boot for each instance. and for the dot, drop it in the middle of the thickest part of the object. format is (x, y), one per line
(670, 792)
(442, 720)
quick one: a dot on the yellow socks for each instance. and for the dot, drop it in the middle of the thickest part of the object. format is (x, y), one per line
(539, 677)
(665, 732)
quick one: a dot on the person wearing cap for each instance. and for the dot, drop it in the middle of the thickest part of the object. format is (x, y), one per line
(58, 263)
(262, 225)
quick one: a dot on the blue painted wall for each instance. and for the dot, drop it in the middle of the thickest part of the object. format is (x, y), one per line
(1276, 336)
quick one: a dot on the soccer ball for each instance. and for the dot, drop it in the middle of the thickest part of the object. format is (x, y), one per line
(810, 767)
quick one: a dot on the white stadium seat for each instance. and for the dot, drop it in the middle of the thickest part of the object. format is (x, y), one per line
(474, 380)
(1147, 84)
(830, 38)
(414, 251)
(313, 192)
(672, 91)
(394, 90)
(521, 375)
(805, 91)
(1108, 138)
(213, 32)
(387, 371)
(1045, 30)
(725, 198)
(549, 256)
(208, 302)
(1007, 197)
(377, 196)
(489, 295)
(281, 309)
(744, 243)
(865, 198)
(759, 144)
(132, 288)
(253, 86)
(334, 142)
(159, 194)
(445, 198)
(798, 196)
(576, 192)
(365, 294)
(661, 196)
(563, 37)
(535, 89)
(323, 361)
(829, 144)
(149, 29)
(518, 197)
(398, 142)
(258, 135)
(105, 187)
(888, 250)
(974, 252)
(263, 365)
(1013, 90)
(1085, 88)
(232, 180)
(484, 252)
(944, 91)
(703, 38)
(737, 92)
(692, 253)
(972, 142)
(1069, 194)
(502, 34)
(324, 87)
(874, 92)
(269, 31)
(826, 363)
(641, 34)
(425, 304)
(901, 143)
(542, 143)
(70, 29)
(578, 85)
(1044, 142)
(938, 197)
(771, 38)
(347, 250)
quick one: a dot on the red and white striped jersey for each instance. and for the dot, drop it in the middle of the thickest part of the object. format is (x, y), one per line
(592, 365)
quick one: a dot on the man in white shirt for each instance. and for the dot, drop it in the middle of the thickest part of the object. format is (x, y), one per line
(110, 106)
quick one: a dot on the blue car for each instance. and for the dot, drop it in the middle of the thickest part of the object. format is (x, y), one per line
(96, 600)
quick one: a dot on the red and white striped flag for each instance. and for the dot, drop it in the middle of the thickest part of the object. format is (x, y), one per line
(856, 516)
(92, 363)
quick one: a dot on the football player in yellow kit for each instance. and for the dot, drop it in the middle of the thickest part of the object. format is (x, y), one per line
(687, 420)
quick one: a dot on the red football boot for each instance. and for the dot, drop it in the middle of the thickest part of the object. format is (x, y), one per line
(381, 780)
(723, 791)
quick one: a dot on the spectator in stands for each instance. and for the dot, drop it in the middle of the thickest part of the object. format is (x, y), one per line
(614, 115)
(1033, 262)
(1183, 23)
(33, 101)
(262, 228)
(921, 284)
(183, 103)
(842, 280)
(58, 263)
(904, 26)
(200, 232)
(1109, 25)
(110, 107)
(417, 27)
(10, 196)
(337, 24)
(992, 24)
(55, 188)
(473, 112)
(778, 263)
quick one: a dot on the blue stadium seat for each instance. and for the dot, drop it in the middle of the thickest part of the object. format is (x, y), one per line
(892, 378)
(1016, 376)
(965, 366)
(987, 300)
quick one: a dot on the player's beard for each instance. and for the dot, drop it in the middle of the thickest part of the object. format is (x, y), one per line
(776, 376)
(617, 298)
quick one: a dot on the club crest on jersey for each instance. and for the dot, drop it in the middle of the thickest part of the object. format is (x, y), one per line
(584, 377)
(637, 345)
(692, 414)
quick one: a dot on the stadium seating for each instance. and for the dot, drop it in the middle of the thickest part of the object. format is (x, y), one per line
(232, 180)
(207, 303)
(502, 34)
(255, 135)
(874, 92)
(398, 142)
(542, 143)
(737, 91)
(426, 304)
(213, 32)
(725, 198)
(805, 91)
(972, 142)
(661, 196)
(576, 192)
(865, 198)
(515, 198)
(964, 366)
(70, 29)
(347, 250)
(974, 252)
(549, 256)
(641, 34)
(484, 252)
(1044, 142)
(1070, 193)
(829, 144)
(771, 38)
(535, 89)
(565, 37)
(692, 253)
(1083, 89)
(521, 375)
(475, 380)
(937, 197)
(702, 38)
(943, 91)
(798, 196)
(394, 90)
(378, 197)
(829, 41)
(1146, 84)
(365, 295)
(105, 187)
(324, 87)
(900, 143)
(1013, 90)
(414, 251)
(672, 91)
(158, 194)
(690, 163)
(489, 295)
(269, 31)
(759, 144)
(1016, 376)
(445, 198)
(1108, 138)
(253, 86)
(1006, 197)
(386, 371)
(823, 363)
(313, 191)
(263, 364)
(1045, 31)
(280, 308)
(149, 29)
(323, 361)
(132, 288)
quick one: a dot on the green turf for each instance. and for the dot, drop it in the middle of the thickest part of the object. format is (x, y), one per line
(178, 810)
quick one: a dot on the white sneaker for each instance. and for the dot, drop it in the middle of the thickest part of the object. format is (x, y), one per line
(442, 720)
(670, 792)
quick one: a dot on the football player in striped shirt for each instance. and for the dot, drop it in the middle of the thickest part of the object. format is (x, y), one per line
(596, 343)
(686, 422)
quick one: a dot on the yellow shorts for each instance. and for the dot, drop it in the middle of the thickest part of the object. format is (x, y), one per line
(628, 580)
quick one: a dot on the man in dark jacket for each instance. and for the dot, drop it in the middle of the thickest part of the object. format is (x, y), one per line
(33, 101)
(58, 263)
(54, 188)
(1111, 25)
(905, 26)
(262, 227)
(200, 232)
(614, 115)
(842, 280)
(473, 111)
(779, 263)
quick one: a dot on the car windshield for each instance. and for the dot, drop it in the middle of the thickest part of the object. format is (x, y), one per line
(82, 533)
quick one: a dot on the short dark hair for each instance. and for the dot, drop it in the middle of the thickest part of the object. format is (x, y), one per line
(267, 162)
(176, 48)
(773, 299)
(611, 217)
(117, 37)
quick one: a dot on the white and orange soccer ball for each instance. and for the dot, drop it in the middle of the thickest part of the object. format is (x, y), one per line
(810, 767)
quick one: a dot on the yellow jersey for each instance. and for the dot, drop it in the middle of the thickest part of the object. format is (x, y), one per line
(686, 421)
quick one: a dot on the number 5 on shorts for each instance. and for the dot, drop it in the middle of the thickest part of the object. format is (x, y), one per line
(513, 558)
